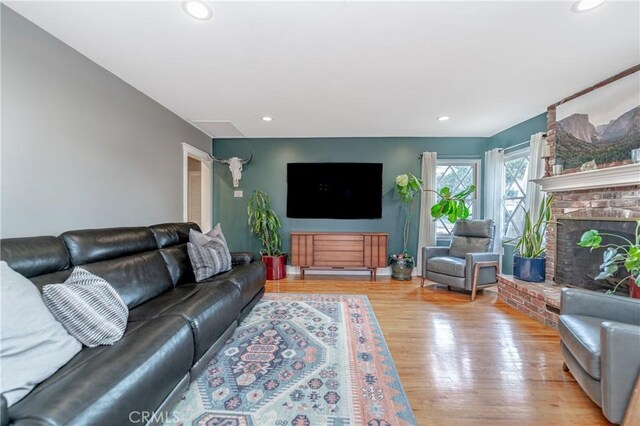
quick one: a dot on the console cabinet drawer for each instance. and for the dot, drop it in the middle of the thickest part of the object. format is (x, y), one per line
(339, 250)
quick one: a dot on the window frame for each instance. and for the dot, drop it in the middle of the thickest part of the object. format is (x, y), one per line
(513, 155)
(477, 164)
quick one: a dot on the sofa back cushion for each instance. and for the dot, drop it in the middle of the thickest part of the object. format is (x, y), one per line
(177, 260)
(137, 278)
(172, 234)
(35, 256)
(95, 245)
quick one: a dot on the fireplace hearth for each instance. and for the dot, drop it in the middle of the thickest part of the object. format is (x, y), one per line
(577, 266)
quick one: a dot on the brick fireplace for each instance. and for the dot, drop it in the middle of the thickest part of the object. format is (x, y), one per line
(608, 196)
(613, 208)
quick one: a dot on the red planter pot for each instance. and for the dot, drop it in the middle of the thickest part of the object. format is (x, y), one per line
(634, 290)
(276, 266)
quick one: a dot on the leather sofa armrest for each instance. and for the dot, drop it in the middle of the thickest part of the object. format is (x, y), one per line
(241, 258)
(432, 251)
(470, 261)
(576, 301)
(4, 411)
(620, 366)
(482, 257)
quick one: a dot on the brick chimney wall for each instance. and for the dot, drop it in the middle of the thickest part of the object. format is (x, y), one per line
(619, 202)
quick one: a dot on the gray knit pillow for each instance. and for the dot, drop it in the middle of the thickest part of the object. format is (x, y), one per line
(88, 307)
(209, 260)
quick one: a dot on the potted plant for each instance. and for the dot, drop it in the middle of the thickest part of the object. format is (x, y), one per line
(451, 205)
(529, 260)
(615, 256)
(265, 224)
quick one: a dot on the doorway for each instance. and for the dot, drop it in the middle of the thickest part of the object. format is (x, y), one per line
(197, 187)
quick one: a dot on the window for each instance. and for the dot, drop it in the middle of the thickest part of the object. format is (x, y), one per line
(457, 175)
(516, 171)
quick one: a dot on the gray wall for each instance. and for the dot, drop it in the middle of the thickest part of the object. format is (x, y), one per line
(267, 171)
(80, 147)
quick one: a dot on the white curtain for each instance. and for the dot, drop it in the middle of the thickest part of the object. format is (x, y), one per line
(494, 192)
(534, 195)
(427, 229)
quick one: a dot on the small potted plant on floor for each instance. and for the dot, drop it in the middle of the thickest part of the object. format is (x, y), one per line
(451, 205)
(616, 255)
(529, 261)
(265, 224)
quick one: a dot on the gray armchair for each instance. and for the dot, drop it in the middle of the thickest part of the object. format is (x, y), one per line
(600, 337)
(468, 263)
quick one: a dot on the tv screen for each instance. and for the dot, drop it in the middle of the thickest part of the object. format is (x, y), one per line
(334, 190)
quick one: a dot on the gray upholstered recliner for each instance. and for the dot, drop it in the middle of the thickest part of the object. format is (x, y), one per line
(600, 337)
(468, 262)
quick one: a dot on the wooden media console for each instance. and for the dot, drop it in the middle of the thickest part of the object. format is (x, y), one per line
(342, 251)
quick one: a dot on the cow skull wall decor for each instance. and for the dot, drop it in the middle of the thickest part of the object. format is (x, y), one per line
(235, 166)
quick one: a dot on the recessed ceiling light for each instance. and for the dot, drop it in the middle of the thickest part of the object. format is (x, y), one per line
(266, 118)
(584, 5)
(197, 9)
(443, 118)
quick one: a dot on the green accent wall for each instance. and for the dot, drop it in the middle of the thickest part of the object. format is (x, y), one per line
(512, 136)
(267, 171)
(519, 133)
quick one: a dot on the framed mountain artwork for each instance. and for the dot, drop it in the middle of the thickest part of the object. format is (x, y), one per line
(600, 126)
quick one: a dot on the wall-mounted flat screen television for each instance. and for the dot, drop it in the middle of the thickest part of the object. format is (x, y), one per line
(334, 190)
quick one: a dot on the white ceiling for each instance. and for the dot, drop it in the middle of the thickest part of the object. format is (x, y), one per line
(352, 68)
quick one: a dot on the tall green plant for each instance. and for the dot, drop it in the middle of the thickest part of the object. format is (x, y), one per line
(451, 205)
(531, 243)
(264, 223)
(407, 186)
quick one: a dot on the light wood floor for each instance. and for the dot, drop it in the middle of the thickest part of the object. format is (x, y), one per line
(464, 363)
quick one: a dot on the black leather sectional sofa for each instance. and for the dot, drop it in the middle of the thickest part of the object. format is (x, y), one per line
(175, 324)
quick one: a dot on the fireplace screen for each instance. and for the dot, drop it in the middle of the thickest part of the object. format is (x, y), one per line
(577, 266)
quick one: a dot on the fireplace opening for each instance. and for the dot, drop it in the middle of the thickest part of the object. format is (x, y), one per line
(577, 266)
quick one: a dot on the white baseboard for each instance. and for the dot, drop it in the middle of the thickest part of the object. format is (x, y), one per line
(382, 272)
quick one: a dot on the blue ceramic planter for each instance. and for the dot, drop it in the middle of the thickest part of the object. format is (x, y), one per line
(529, 269)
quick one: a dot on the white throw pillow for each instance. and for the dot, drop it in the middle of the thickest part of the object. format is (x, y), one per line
(88, 307)
(33, 345)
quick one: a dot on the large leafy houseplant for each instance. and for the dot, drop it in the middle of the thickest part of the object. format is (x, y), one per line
(407, 186)
(529, 261)
(453, 206)
(265, 224)
(615, 256)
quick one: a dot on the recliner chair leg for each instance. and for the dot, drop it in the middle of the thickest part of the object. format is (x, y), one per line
(422, 282)
(564, 367)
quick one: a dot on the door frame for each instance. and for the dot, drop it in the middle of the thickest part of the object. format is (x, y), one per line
(206, 190)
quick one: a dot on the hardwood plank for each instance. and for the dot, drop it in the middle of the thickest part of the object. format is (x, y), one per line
(463, 363)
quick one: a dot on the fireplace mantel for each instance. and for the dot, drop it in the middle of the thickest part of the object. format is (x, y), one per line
(628, 174)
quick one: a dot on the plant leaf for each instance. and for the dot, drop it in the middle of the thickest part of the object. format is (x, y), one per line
(590, 239)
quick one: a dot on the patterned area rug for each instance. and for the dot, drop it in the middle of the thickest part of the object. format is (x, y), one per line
(301, 360)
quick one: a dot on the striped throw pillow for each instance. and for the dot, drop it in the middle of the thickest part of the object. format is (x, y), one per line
(88, 307)
(210, 259)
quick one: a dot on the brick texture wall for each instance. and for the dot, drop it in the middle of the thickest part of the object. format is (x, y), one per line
(618, 202)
